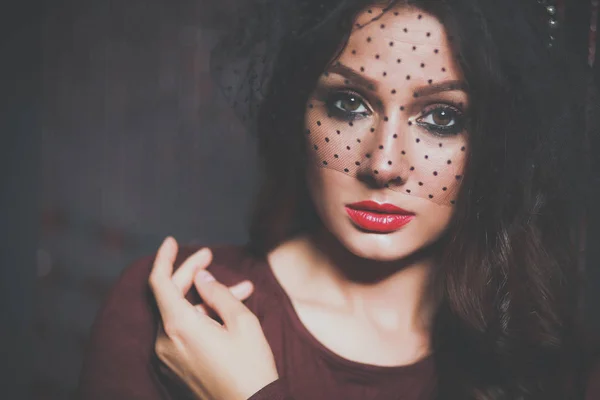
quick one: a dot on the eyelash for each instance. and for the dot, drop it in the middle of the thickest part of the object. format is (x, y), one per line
(338, 112)
(439, 130)
(443, 130)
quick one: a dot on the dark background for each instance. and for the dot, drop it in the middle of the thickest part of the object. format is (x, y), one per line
(136, 144)
(113, 137)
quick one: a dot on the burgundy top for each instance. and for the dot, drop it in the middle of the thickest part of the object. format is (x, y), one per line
(121, 363)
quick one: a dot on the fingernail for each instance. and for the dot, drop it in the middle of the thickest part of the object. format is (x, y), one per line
(205, 276)
(166, 241)
(241, 287)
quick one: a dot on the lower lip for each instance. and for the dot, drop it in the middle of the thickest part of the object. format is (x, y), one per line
(378, 222)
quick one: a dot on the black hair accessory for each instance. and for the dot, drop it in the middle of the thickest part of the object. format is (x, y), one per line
(551, 15)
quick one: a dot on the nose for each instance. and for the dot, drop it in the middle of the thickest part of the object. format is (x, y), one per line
(384, 164)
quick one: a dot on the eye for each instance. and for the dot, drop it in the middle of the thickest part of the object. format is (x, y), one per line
(347, 106)
(350, 103)
(442, 119)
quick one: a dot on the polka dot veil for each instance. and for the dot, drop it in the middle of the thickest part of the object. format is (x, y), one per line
(393, 107)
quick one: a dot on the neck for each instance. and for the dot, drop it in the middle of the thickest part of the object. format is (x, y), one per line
(392, 294)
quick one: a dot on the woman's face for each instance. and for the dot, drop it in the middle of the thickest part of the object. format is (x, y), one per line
(385, 131)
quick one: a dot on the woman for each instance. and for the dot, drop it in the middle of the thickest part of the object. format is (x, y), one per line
(415, 237)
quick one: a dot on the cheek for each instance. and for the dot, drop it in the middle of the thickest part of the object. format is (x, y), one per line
(332, 143)
(437, 168)
(403, 157)
(321, 198)
(330, 191)
(325, 186)
(431, 223)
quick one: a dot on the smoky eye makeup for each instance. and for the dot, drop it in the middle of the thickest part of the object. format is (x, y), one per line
(441, 114)
(442, 119)
(343, 103)
(347, 105)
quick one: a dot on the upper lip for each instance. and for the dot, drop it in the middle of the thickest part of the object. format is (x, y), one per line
(386, 208)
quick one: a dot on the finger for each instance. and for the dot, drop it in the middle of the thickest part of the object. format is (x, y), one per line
(216, 296)
(168, 298)
(240, 291)
(165, 257)
(183, 277)
(201, 309)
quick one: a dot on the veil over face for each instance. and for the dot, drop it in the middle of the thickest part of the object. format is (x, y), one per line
(393, 105)
(403, 104)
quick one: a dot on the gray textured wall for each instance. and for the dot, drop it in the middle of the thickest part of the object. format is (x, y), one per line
(137, 144)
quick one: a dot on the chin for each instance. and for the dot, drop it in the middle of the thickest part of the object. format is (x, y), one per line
(377, 246)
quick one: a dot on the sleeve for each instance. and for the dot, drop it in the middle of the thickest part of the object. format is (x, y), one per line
(118, 362)
(276, 390)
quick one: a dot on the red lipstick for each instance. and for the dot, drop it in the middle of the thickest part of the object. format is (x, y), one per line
(376, 217)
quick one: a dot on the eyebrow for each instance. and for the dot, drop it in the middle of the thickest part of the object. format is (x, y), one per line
(428, 90)
(353, 75)
(445, 86)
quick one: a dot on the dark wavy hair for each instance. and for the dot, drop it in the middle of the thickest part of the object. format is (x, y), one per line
(508, 326)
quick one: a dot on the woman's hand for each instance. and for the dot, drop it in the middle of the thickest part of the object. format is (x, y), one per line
(217, 362)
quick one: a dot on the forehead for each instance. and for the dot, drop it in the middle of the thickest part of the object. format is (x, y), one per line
(400, 41)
